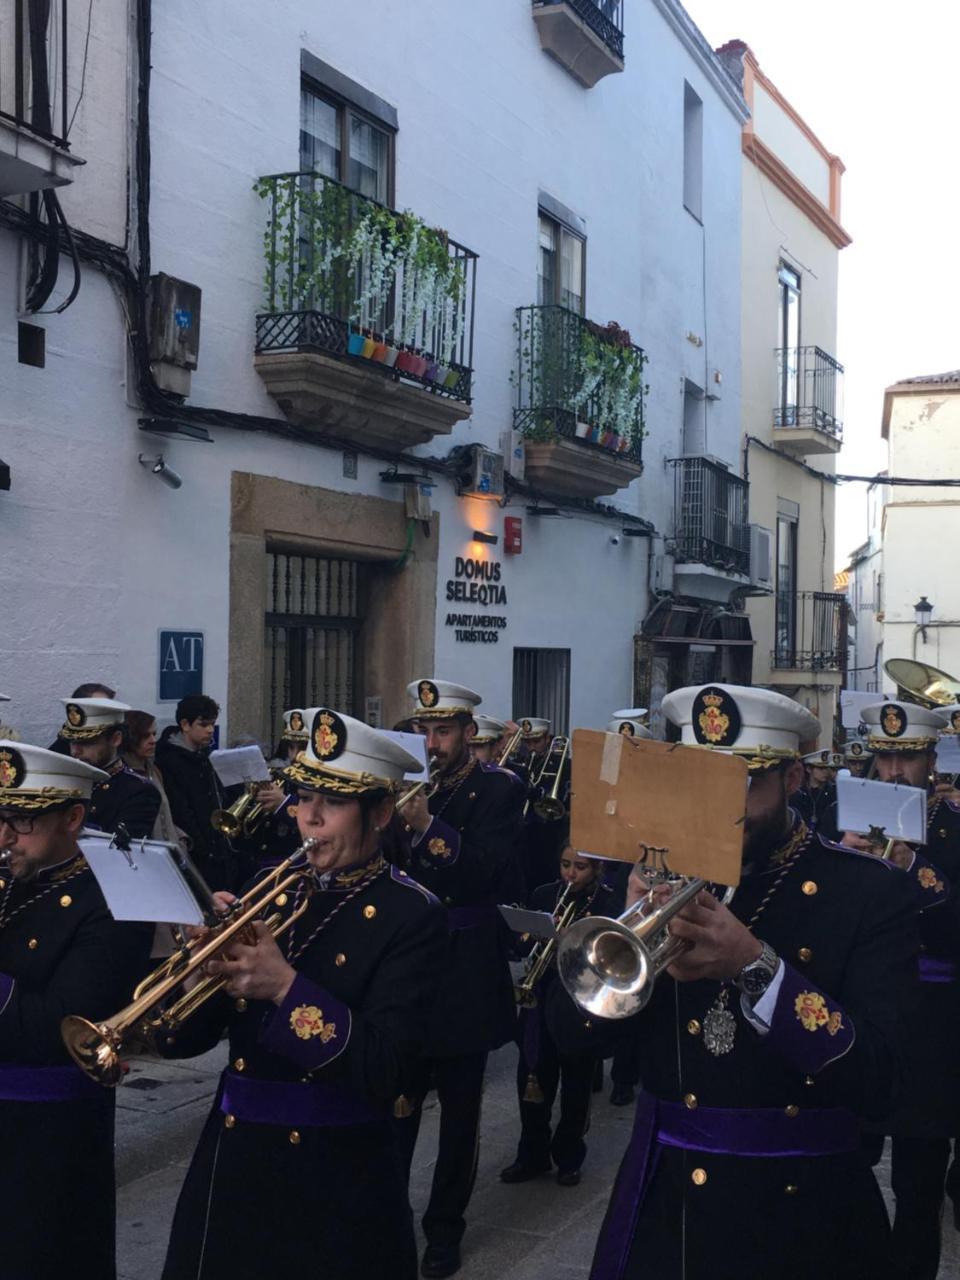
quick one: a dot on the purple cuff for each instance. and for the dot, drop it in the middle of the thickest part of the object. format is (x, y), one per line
(439, 844)
(6, 991)
(310, 1028)
(931, 885)
(809, 1028)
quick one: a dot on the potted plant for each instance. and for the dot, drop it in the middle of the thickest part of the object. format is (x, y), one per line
(355, 341)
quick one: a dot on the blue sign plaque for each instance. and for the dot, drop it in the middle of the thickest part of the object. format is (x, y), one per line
(181, 664)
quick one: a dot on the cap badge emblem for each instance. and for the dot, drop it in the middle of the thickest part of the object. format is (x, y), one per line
(329, 735)
(526, 726)
(893, 720)
(716, 718)
(76, 716)
(296, 721)
(627, 729)
(955, 721)
(427, 693)
(12, 768)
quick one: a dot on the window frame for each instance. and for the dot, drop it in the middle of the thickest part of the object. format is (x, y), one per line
(344, 108)
(563, 227)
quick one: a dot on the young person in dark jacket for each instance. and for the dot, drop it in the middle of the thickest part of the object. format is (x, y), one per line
(542, 1068)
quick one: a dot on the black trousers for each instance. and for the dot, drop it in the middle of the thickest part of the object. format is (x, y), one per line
(459, 1085)
(625, 1069)
(918, 1171)
(574, 1078)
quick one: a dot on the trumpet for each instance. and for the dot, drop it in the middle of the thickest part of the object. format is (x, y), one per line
(510, 748)
(96, 1047)
(550, 807)
(882, 847)
(541, 956)
(609, 967)
(428, 786)
(244, 815)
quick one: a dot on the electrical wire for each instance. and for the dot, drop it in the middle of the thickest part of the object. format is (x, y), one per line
(83, 73)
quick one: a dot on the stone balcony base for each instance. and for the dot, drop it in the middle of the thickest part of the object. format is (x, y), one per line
(568, 39)
(572, 470)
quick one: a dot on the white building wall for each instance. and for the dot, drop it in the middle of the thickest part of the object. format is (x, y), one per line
(97, 555)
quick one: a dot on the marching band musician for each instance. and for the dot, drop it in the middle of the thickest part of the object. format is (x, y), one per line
(541, 1068)
(484, 743)
(93, 728)
(543, 837)
(903, 737)
(461, 845)
(858, 758)
(764, 1043)
(275, 835)
(297, 1162)
(816, 800)
(60, 951)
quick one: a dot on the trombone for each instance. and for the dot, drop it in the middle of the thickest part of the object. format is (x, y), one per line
(550, 807)
(427, 785)
(542, 955)
(96, 1046)
(510, 748)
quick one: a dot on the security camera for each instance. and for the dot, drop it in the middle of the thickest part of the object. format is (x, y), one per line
(614, 540)
(161, 470)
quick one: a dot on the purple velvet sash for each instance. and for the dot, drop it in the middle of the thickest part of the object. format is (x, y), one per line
(469, 917)
(48, 1084)
(293, 1105)
(934, 970)
(767, 1132)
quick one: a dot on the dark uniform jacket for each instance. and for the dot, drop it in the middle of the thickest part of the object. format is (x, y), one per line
(194, 793)
(275, 837)
(61, 952)
(757, 1202)
(818, 808)
(467, 858)
(127, 799)
(542, 838)
(296, 1173)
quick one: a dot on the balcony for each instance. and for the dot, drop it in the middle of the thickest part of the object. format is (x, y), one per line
(585, 36)
(808, 417)
(810, 636)
(711, 541)
(367, 329)
(579, 403)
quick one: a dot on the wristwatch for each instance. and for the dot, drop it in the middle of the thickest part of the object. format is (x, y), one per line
(754, 978)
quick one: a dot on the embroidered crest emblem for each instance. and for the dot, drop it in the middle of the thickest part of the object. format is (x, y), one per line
(856, 749)
(893, 720)
(296, 721)
(811, 1009)
(439, 847)
(716, 718)
(928, 879)
(306, 1021)
(76, 716)
(526, 726)
(12, 768)
(329, 735)
(428, 694)
(627, 729)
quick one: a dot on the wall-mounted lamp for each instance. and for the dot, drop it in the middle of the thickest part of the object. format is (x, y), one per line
(543, 511)
(478, 535)
(393, 476)
(161, 470)
(173, 429)
(923, 611)
(633, 531)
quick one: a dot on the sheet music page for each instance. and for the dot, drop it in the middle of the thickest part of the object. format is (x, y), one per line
(145, 884)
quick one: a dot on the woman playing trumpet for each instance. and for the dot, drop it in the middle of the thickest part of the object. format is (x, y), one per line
(322, 1023)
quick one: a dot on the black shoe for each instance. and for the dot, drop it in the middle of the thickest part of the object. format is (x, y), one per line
(440, 1260)
(621, 1095)
(520, 1172)
(568, 1178)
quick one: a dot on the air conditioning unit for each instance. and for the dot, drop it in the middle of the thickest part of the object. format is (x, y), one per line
(479, 472)
(661, 574)
(761, 557)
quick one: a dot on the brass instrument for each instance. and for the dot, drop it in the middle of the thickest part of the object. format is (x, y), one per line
(550, 807)
(510, 748)
(541, 957)
(428, 786)
(245, 814)
(881, 845)
(919, 682)
(609, 967)
(96, 1047)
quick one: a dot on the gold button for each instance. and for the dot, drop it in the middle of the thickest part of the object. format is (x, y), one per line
(809, 887)
(229, 1121)
(369, 913)
(698, 1177)
(942, 833)
(792, 1110)
(239, 1065)
(341, 960)
(809, 1080)
(294, 1137)
(690, 1101)
(472, 795)
(33, 944)
(66, 900)
(588, 1024)
(105, 786)
(3, 884)
(281, 899)
(805, 954)
(241, 1005)
(693, 1026)
(790, 1189)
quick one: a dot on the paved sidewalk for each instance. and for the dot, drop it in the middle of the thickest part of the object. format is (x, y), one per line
(534, 1231)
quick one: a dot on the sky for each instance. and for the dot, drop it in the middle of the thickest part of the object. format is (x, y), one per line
(879, 83)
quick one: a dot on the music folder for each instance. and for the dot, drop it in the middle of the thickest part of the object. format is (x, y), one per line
(900, 812)
(143, 881)
(237, 766)
(539, 924)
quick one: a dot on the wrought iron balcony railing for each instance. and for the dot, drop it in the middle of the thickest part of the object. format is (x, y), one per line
(349, 277)
(578, 380)
(33, 66)
(603, 17)
(809, 390)
(710, 526)
(811, 631)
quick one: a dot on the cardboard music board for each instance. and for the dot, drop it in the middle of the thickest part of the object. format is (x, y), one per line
(629, 792)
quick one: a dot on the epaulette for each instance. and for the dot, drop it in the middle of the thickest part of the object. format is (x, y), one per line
(857, 853)
(488, 766)
(408, 882)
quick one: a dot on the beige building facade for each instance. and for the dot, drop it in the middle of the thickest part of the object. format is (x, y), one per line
(791, 392)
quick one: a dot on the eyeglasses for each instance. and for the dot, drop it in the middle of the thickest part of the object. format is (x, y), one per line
(20, 823)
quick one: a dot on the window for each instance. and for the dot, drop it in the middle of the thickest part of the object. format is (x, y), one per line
(692, 152)
(560, 277)
(789, 343)
(340, 142)
(694, 420)
(786, 585)
(541, 685)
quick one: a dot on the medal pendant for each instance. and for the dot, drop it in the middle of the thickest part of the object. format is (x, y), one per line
(719, 1030)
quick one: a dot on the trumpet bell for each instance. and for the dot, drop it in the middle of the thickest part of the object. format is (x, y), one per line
(605, 967)
(95, 1048)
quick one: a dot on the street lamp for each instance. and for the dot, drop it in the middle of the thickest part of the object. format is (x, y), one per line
(922, 611)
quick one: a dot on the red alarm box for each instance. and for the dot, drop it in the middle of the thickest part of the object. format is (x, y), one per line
(513, 535)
